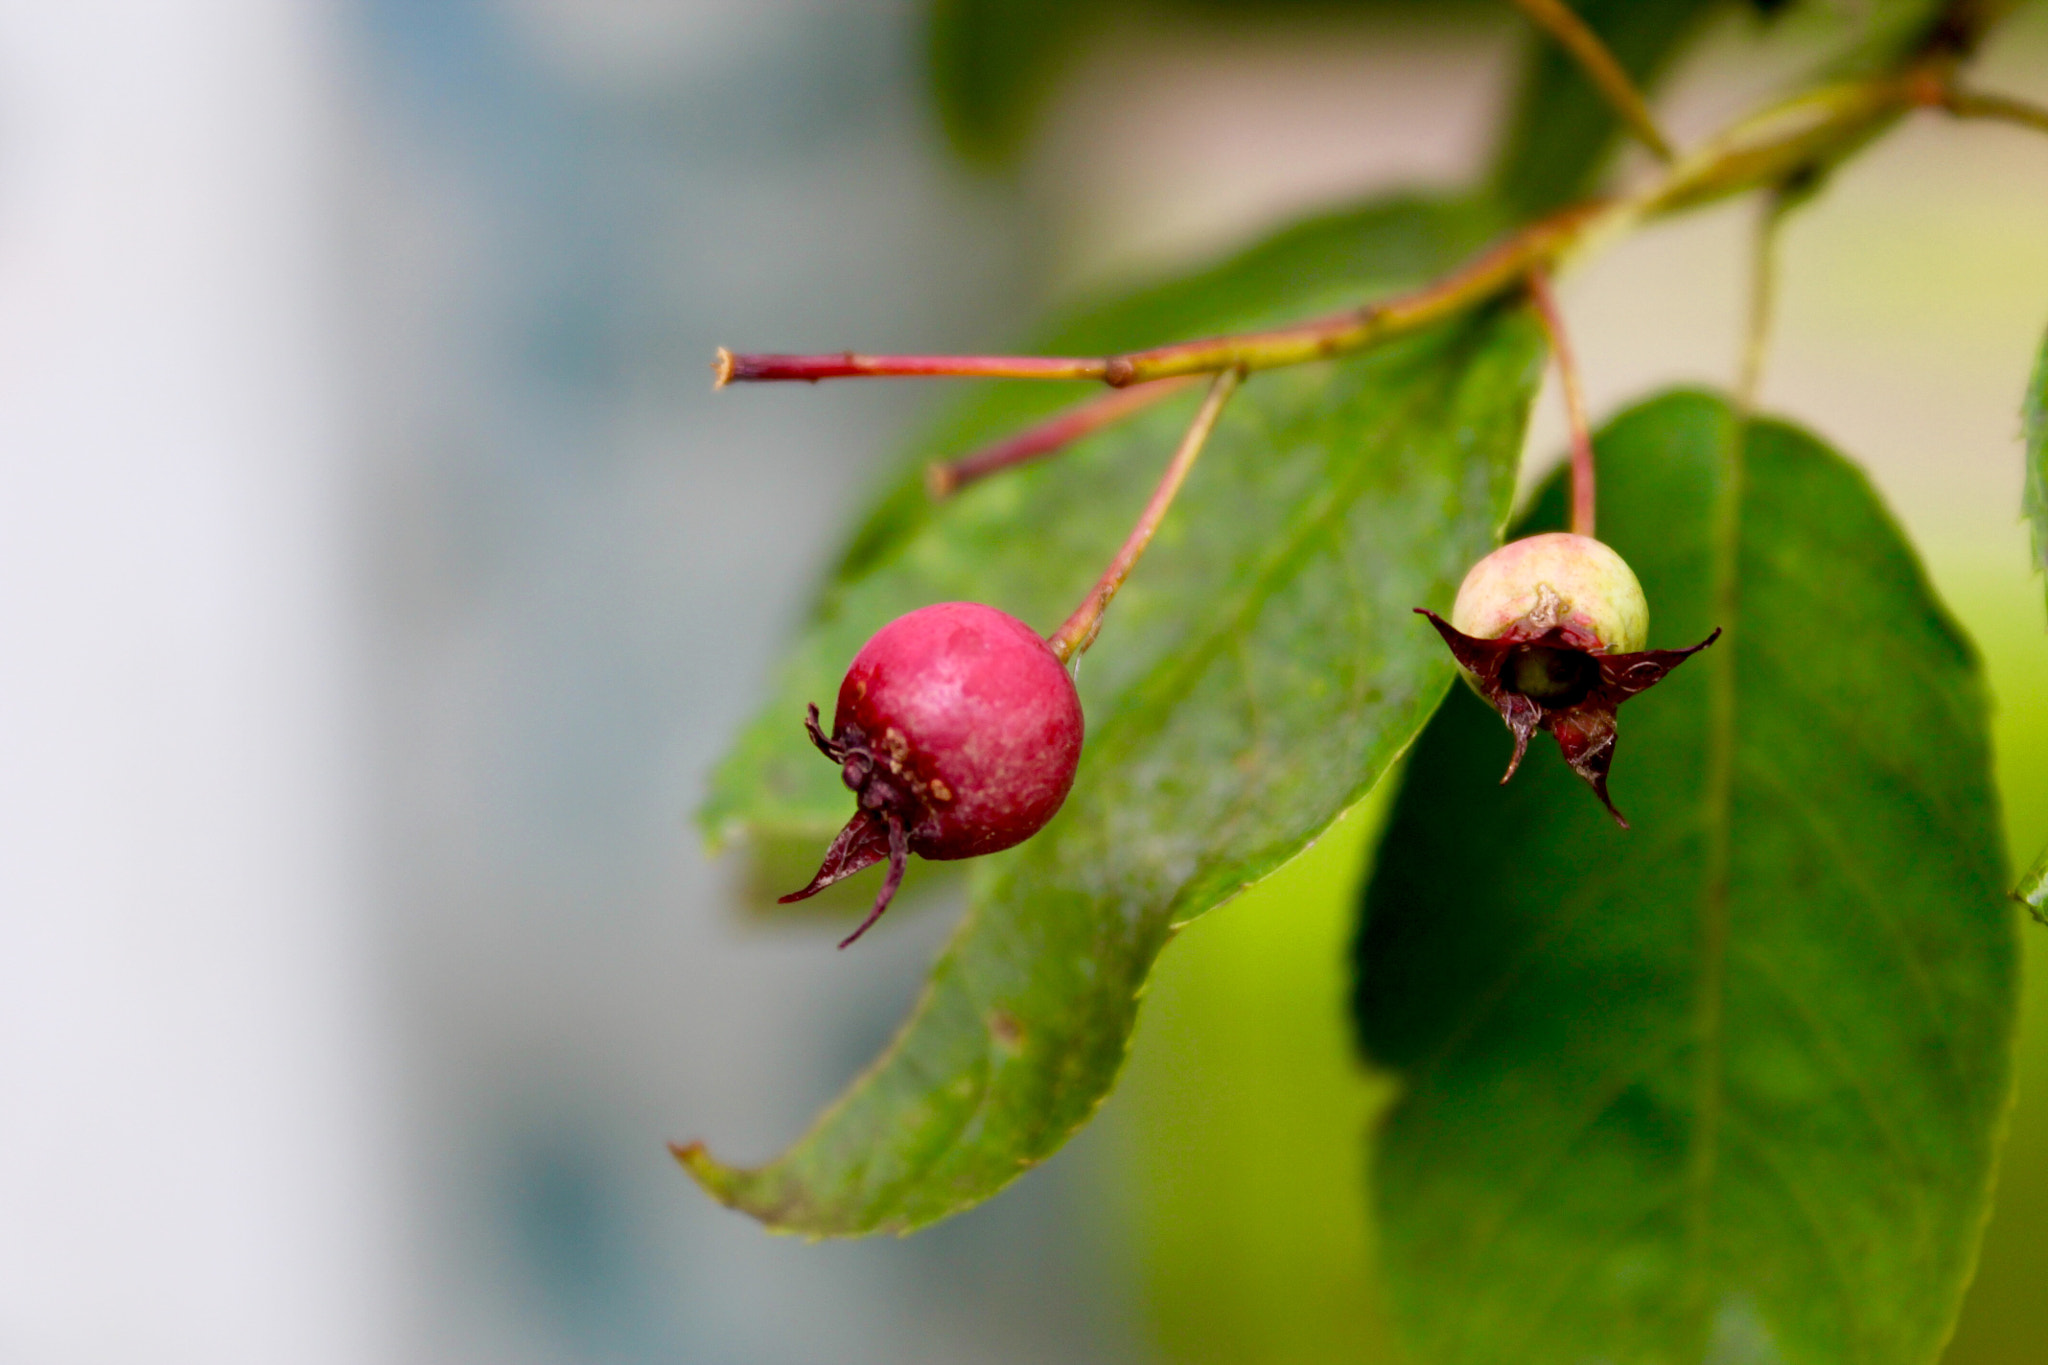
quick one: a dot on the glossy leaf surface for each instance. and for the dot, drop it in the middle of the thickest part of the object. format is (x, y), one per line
(1725, 1087)
(1254, 679)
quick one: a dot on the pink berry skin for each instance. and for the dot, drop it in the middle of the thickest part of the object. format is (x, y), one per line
(973, 710)
(1530, 585)
(959, 732)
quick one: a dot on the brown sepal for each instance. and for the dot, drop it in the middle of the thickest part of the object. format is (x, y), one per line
(862, 843)
(875, 832)
(1583, 722)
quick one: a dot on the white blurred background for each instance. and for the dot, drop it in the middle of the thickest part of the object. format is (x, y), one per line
(379, 577)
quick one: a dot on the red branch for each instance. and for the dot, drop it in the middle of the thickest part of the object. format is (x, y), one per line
(1051, 435)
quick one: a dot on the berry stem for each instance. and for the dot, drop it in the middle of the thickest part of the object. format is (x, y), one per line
(1583, 45)
(1055, 433)
(1999, 108)
(1574, 402)
(1078, 633)
(1763, 295)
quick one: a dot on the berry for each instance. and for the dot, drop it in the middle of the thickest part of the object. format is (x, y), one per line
(958, 730)
(1550, 630)
(1572, 582)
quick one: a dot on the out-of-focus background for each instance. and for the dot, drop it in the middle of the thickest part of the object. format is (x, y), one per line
(379, 577)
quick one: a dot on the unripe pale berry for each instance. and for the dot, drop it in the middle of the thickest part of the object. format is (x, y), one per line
(1550, 629)
(1572, 582)
(958, 731)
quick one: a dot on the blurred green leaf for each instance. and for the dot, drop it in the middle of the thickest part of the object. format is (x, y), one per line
(1726, 1086)
(2034, 423)
(994, 63)
(1560, 127)
(1878, 34)
(1254, 679)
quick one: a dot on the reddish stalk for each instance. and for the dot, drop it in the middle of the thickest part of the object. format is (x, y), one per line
(1078, 633)
(1493, 272)
(1574, 403)
(1054, 434)
(730, 368)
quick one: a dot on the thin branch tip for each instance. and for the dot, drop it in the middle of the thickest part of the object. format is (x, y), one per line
(721, 369)
(1049, 437)
(1585, 47)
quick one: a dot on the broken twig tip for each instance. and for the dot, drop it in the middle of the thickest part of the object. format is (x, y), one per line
(721, 369)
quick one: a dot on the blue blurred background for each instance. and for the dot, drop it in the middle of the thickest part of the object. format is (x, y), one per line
(382, 577)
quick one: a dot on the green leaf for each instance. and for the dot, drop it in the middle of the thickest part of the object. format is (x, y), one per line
(1257, 675)
(1726, 1086)
(772, 784)
(2034, 421)
(1561, 127)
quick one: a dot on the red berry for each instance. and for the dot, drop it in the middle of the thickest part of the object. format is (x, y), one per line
(959, 731)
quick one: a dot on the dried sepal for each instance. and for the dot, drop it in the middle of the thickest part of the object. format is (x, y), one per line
(1560, 680)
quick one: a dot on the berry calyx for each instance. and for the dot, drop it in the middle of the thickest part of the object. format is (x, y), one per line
(1550, 630)
(959, 731)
